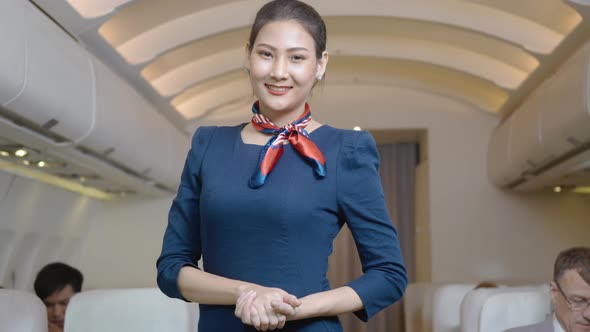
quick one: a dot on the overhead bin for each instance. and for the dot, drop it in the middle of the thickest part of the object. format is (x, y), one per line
(551, 127)
(57, 87)
(565, 115)
(500, 167)
(526, 149)
(127, 129)
(58, 84)
(13, 54)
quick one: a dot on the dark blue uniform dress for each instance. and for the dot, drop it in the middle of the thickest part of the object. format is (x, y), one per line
(280, 235)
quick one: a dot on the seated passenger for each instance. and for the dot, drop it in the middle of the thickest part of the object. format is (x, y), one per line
(570, 294)
(55, 284)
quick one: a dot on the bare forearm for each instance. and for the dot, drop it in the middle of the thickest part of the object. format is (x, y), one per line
(329, 303)
(206, 288)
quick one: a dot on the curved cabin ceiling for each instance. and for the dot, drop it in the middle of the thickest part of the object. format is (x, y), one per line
(187, 56)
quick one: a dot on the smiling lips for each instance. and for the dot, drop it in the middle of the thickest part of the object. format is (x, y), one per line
(277, 90)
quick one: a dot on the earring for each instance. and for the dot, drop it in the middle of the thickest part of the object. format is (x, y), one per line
(319, 77)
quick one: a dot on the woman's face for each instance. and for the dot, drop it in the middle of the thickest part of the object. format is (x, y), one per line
(284, 67)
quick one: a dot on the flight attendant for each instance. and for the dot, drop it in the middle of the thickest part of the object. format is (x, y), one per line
(262, 202)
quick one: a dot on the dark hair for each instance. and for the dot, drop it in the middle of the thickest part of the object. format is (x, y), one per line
(284, 10)
(577, 259)
(56, 276)
(486, 284)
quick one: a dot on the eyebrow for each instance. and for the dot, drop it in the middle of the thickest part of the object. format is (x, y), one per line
(289, 49)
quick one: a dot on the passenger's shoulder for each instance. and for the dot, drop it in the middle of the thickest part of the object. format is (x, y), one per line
(545, 326)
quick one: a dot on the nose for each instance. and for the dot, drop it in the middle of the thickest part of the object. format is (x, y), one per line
(280, 69)
(58, 312)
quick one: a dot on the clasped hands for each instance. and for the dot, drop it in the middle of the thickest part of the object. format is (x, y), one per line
(266, 308)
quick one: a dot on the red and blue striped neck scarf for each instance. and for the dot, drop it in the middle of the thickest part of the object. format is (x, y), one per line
(295, 134)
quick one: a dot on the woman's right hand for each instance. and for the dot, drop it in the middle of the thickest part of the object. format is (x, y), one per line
(254, 307)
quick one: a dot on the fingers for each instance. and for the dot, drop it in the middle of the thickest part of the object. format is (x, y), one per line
(255, 317)
(273, 319)
(263, 318)
(292, 300)
(266, 308)
(282, 308)
(282, 321)
(242, 307)
(240, 303)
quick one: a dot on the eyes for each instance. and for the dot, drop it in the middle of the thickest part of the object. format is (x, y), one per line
(54, 304)
(578, 301)
(267, 55)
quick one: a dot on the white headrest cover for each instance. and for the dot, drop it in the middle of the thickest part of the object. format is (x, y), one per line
(128, 310)
(517, 308)
(21, 311)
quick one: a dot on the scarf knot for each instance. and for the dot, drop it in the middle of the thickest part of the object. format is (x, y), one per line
(295, 134)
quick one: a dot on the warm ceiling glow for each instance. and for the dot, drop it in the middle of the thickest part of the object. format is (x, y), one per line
(26, 162)
(182, 77)
(53, 180)
(557, 189)
(4, 153)
(480, 65)
(187, 27)
(95, 8)
(21, 153)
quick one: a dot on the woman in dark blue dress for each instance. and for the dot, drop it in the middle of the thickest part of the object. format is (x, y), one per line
(262, 202)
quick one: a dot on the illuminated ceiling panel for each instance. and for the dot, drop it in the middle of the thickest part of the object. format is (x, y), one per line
(188, 27)
(184, 54)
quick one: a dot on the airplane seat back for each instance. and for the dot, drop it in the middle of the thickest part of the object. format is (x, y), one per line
(413, 303)
(21, 311)
(129, 310)
(515, 308)
(471, 308)
(446, 306)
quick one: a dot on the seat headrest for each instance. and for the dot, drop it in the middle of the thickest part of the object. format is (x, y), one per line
(517, 308)
(489, 309)
(446, 306)
(21, 311)
(127, 310)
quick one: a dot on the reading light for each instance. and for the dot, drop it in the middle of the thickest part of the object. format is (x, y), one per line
(557, 189)
(26, 162)
(41, 164)
(357, 128)
(4, 153)
(21, 153)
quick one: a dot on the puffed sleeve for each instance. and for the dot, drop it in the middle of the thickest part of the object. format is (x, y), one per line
(182, 239)
(362, 205)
